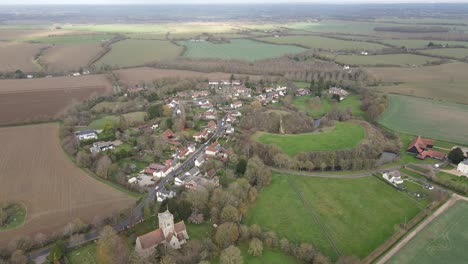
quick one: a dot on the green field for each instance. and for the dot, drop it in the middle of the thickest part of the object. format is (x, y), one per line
(359, 214)
(317, 107)
(134, 117)
(317, 42)
(421, 43)
(444, 240)
(18, 215)
(343, 136)
(239, 49)
(457, 53)
(425, 117)
(132, 52)
(382, 60)
(73, 39)
(83, 255)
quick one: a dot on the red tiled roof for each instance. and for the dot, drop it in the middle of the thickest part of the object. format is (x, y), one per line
(168, 134)
(155, 166)
(151, 239)
(180, 227)
(432, 154)
(149, 171)
(420, 144)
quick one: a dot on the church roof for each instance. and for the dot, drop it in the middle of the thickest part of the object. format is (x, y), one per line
(151, 239)
(180, 227)
(165, 214)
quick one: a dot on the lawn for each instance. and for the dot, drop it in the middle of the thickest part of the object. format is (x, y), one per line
(444, 240)
(132, 118)
(383, 60)
(429, 118)
(420, 43)
(317, 42)
(17, 215)
(133, 52)
(359, 214)
(83, 255)
(457, 53)
(343, 136)
(239, 49)
(317, 107)
(73, 39)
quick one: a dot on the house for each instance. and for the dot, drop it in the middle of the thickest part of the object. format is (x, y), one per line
(86, 135)
(164, 194)
(170, 137)
(181, 179)
(213, 149)
(201, 135)
(229, 129)
(183, 153)
(149, 127)
(338, 91)
(463, 167)
(393, 177)
(193, 172)
(281, 89)
(210, 114)
(422, 148)
(101, 146)
(302, 92)
(159, 170)
(197, 94)
(168, 233)
(132, 180)
(199, 161)
(365, 53)
(236, 105)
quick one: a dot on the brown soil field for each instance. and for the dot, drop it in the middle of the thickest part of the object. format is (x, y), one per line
(69, 57)
(14, 56)
(35, 171)
(32, 99)
(446, 81)
(147, 74)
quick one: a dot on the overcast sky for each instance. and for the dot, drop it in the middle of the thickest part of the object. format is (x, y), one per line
(29, 2)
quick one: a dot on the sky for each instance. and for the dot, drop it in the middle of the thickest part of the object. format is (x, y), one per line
(31, 2)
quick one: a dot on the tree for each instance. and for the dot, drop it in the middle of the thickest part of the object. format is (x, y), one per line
(456, 155)
(155, 111)
(83, 159)
(257, 173)
(198, 198)
(226, 234)
(229, 214)
(241, 166)
(102, 167)
(111, 248)
(169, 123)
(18, 257)
(231, 255)
(167, 112)
(255, 247)
(57, 251)
(3, 215)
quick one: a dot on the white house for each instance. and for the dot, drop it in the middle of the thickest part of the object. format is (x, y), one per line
(393, 177)
(463, 167)
(102, 146)
(236, 105)
(86, 134)
(229, 129)
(164, 194)
(199, 161)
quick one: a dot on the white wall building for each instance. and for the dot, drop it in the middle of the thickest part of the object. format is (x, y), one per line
(463, 167)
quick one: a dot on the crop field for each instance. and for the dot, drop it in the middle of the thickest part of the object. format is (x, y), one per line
(37, 173)
(457, 53)
(133, 52)
(319, 107)
(14, 56)
(238, 49)
(316, 42)
(73, 39)
(421, 43)
(69, 57)
(446, 82)
(425, 117)
(359, 214)
(132, 118)
(338, 26)
(343, 136)
(32, 99)
(442, 241)
(384, 60)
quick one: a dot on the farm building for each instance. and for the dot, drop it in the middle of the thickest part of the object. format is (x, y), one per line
(422, 148)
(338, 91)
(102, 146)
(86, 134)
(463, 167)
(393, 177)
(168, 233)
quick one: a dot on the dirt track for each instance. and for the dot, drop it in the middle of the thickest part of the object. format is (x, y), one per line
(35, 171)
(420, 227)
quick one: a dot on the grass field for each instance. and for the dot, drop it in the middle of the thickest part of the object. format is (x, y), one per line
(239, 49)
(83, 255)
(457, 53)
(444, 240)
(421, 43)
(425, 117)
(132, 118)
(73, 39)
(447, 81)
(343, 136)
(383, 60)
(359, 214)
(132, 52)
(17, 214)
(317, 42)
(317, 107)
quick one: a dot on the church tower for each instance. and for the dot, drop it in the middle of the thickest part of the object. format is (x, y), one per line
(166, 222)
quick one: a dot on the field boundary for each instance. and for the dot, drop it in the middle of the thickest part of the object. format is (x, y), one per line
(385, 258)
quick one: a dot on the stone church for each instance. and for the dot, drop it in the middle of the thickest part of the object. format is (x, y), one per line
(168, 233)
